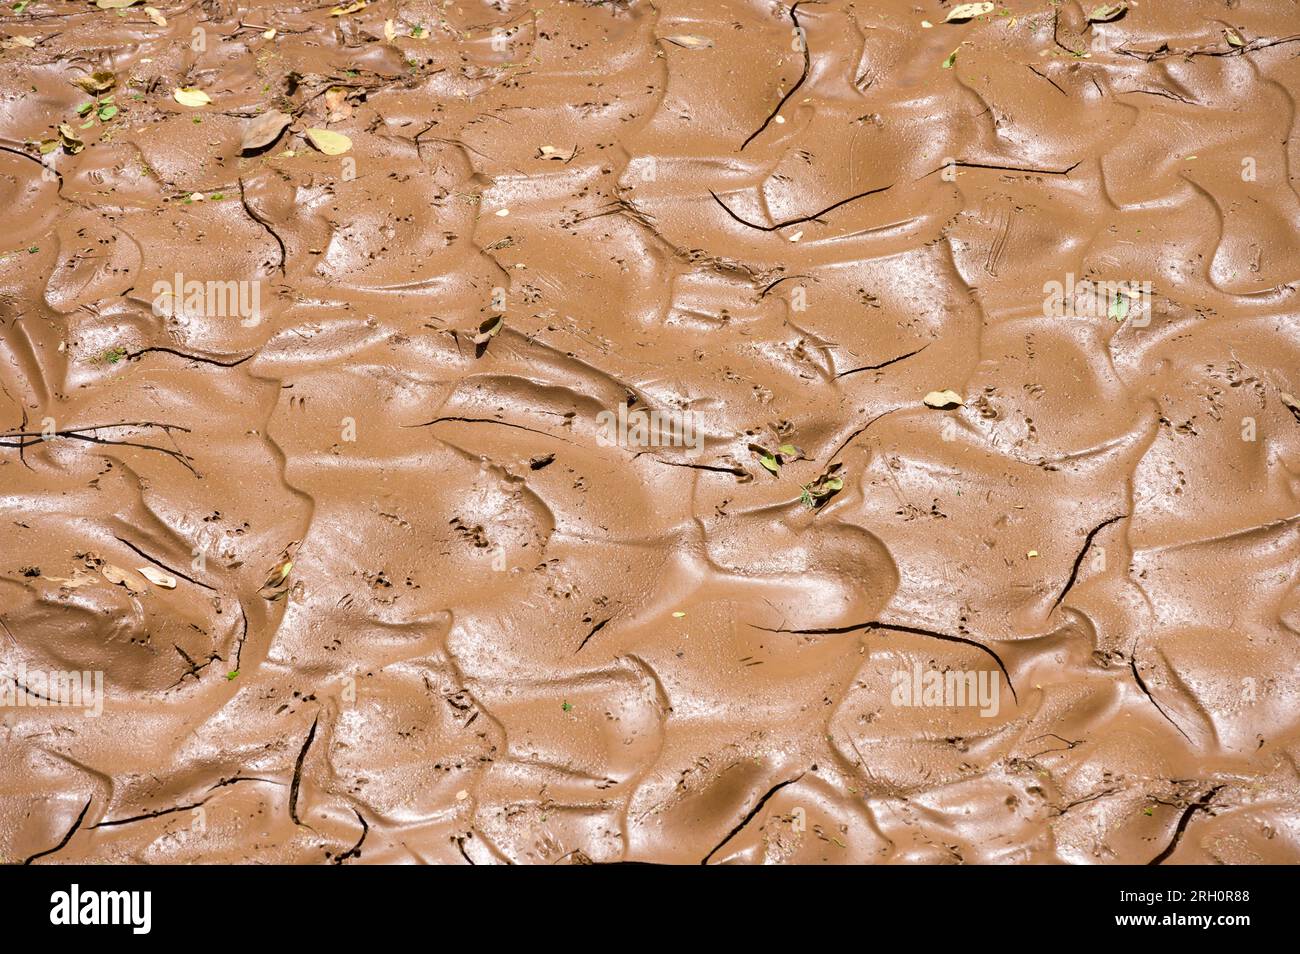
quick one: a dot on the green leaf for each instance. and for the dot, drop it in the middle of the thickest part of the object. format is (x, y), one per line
(952, 58)
(1234, 38)
(106, 113)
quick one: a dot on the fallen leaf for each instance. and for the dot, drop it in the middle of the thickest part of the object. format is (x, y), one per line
(678, 615)
(113, 4)
(153, 14)
(690, 42)
(336, 101)
(1292, 404)
(1107, 12)
(330, 143)
(965, 11)
(1234, 38)
(269, 34)
(116, 575)
(261, 131)
(944, 400)
(489, 330)
(390, 31)
(502, 213)
(344, 9)
(100, 81)
(72, 143)
(823, 488)
(766, 458)
(13, 41)
(157, 578)
(189, 96)
(951, 59)
(272, 589)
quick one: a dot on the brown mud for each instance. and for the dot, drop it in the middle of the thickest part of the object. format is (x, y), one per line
(406, 601)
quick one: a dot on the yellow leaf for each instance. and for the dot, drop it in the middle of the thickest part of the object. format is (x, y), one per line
(345, 8)
(944, 399)
(101, 81)
(965, 11)
(189, 96)
(330, 143)
(390, 31)
(153, 14)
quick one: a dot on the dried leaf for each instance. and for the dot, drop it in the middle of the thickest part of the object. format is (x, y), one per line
(336, 101)
(944, 400)
(965, 11)
(489, 330)
(72, 143)
(101, 81)
(345, 8)
(116, 575)
(1292, 404)
(330, 143)
(189, 96)
(276, 579)
(1233, 38)
(157, 577)
(390, 31)
(1107, 12)
(153, 14)
(113, 4)
(690, 42)
(14, 41)
(261, 131)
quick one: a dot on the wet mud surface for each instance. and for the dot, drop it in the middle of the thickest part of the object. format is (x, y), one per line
(368, 574)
